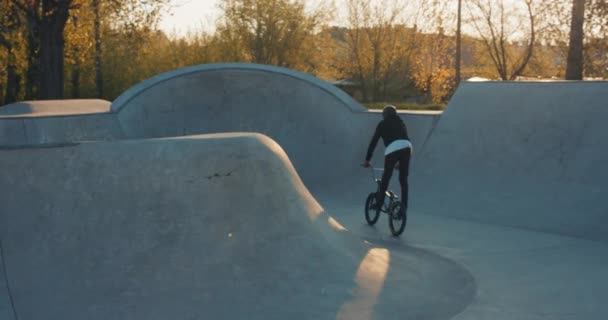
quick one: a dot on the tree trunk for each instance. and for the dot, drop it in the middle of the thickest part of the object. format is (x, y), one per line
(530, 48)
(458, 44)
(51, 58)
(98, 51)
(574, 67)
(12, 79)
(51, 55)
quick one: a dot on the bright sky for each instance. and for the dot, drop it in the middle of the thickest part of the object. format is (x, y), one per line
(197, 15)
(193, 15)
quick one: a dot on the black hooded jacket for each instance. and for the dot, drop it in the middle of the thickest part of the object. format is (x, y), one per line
(390, 129)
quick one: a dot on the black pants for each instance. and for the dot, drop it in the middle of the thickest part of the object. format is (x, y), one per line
(403, 156)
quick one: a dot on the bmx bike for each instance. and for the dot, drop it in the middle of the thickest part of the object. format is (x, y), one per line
(397, 218)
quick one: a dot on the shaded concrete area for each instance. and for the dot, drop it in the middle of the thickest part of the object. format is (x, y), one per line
(45, 108)
(507, 218)
(517, 273)
(6, 308)
(52, 122)
(20, 132)
(530, 155)
(159, 229)
(318, 125)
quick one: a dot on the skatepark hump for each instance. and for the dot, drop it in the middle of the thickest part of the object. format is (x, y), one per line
(234, 191)
(202, 226)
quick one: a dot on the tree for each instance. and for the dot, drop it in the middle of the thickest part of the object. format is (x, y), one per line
(268, 31)
(580, 32)
(587, 42)
(435, 53)
(126, 28)
(78, 36)
(499, 30)
(574, 68)
(596, 35)
(46, 23)
(136, 22)
(98, 49)
(378, 46)
(433, 71)
(458, 58)
(10, 22)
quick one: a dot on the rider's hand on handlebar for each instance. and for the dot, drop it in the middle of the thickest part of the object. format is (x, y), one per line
(365, 164)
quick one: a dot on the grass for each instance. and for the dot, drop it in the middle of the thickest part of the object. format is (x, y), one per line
(404, 106)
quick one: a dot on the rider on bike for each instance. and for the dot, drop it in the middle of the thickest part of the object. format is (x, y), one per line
(397, 153)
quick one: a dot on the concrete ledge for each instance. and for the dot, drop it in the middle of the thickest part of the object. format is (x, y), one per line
(50, 108)
(136, 90)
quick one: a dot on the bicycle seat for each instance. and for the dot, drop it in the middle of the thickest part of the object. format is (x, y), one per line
(391, 195)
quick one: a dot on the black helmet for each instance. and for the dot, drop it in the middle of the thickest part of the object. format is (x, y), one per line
(389, 111)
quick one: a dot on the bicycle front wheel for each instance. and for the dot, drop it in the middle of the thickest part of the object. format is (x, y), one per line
(371, 214)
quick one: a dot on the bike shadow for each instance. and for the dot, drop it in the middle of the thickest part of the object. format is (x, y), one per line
(394, 279)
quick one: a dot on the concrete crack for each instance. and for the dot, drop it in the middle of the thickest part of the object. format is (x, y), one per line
(8, 287)
(219, 175)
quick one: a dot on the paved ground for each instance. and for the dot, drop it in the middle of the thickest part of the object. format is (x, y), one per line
(506, 221)
(159, 229)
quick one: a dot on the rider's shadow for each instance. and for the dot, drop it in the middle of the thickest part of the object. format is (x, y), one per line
(390, 279)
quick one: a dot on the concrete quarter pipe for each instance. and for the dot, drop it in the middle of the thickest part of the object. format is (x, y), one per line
(160, 226)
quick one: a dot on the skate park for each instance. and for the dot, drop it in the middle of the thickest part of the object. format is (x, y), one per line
(235, 191)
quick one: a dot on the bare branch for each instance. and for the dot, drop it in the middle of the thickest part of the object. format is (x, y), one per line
(530, 48)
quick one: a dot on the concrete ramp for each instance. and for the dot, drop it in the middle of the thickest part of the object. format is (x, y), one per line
(45, 108)
(220, 226)
(57, 122)
(323, 130)
(199, 227)
(530, 155)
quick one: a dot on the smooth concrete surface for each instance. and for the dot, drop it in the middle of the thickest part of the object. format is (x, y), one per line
(40, 131)
(45, 108)
(318, 125)
(505, 221)
(56, 122)
(6, 309)
(199, 227)
(518, 274)
(529, 155)
(152, 84)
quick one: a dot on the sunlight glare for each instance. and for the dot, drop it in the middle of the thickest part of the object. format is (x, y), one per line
(370, 279)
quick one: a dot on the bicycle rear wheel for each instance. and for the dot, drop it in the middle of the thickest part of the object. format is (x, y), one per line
(397, 219)
(371, 215)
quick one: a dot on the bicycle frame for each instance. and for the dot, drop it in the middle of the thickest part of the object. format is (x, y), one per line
(390, 195)
(397, 216)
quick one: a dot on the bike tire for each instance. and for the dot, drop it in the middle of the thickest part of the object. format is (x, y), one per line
(371, 216)
(395, 222)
